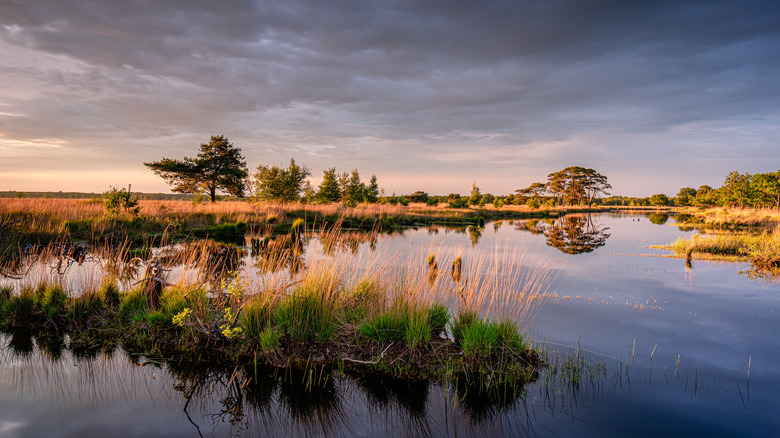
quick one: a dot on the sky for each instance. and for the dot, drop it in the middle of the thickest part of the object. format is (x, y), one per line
(429, 95)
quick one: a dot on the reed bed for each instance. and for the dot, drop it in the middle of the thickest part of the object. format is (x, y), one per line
(760, 248)
(407, 318)
(733, 217)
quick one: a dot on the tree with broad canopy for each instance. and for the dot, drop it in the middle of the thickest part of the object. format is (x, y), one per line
(218, 166)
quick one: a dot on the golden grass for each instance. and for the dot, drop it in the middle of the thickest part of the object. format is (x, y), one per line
(722, 216)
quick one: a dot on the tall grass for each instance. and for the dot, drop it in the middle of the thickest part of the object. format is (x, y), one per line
(761, 248)
(722, 216)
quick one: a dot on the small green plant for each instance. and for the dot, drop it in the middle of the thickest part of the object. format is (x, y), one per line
(269, 339)
(109, 294)
(134, 305)
(438, 318)
(532, 203)
(53, 301)
(418, 328)
(478, 339)
(115, 200)
(465, 318)
(85, 306)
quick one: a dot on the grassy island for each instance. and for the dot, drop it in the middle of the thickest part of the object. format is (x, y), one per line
(399, 325)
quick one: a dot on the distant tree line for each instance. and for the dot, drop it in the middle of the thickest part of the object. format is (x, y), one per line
(760, 190)
(90, 195)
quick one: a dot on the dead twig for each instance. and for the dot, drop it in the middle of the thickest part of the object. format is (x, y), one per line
(370, 362)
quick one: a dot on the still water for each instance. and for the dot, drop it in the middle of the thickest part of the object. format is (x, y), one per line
(668, 350)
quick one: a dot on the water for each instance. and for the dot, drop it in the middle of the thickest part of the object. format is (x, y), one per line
(668, 350)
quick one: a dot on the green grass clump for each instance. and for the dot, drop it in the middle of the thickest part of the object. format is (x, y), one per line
(387, 327)
(478, 339)
(257, 317)
(109, 294)
(309, 313)
(5, 293)
(415, 324)
(86, 306)
(54, 301)
(134, 305)
(465, 318)
(269, 338)
(365, 300)
(438, 318)
(306, 316)
(22, 305)
(418, 327)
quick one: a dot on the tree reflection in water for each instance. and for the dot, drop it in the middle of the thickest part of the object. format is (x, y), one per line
(570, 234)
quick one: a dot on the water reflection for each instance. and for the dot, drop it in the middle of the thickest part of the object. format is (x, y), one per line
(658, 218)
(229, 399)
(571, 234)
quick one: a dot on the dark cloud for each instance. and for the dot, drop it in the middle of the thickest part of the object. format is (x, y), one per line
(484, 89)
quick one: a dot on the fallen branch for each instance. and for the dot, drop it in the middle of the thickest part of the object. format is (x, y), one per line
(370, 362)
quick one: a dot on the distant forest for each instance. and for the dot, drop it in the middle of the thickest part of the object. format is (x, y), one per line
(85, 195)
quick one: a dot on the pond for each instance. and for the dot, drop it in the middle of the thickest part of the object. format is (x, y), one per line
(656, 348)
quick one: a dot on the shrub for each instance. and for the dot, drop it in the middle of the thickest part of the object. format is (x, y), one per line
(115, 200)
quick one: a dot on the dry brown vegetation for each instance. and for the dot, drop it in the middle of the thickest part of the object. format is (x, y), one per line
(726, 216)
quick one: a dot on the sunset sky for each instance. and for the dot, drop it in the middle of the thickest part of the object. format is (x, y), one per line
(427, 94)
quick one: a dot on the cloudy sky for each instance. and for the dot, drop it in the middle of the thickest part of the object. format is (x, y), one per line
(429, 95)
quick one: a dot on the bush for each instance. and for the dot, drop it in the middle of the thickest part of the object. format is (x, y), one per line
(115, 200)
